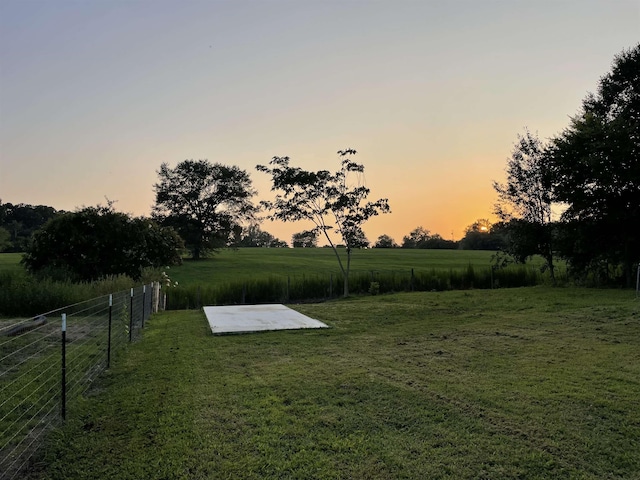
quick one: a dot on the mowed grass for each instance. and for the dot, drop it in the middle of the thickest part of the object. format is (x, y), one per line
(256, 263)
(521, 383)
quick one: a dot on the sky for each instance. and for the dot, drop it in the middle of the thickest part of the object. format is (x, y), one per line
(95, 96)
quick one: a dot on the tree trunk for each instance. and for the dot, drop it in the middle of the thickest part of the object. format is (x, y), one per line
(552, 268)
(346, 274)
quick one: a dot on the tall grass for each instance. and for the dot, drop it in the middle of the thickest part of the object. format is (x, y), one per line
(305, 288)
(256, 275)
(25, 295)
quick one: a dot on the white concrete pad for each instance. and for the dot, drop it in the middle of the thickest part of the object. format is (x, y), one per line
(257, 318)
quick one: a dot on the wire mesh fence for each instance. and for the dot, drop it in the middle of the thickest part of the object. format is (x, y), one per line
(50, 359)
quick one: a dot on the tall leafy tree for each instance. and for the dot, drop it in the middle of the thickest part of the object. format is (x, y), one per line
(332, 201)
(203, 201)
(305, 239)
(385, 241)
(525, 202)
(595, 171)
(95, 242)
(481, 235)
(416, 238)
(420, 237)
(253, 236)
(437, 242)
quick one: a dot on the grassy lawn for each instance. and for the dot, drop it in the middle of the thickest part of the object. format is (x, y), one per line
(519, 383)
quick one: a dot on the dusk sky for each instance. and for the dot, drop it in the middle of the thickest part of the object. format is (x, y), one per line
(95, 95)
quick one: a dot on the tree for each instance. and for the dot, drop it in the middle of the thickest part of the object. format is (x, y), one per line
(595, 171)
(416, 238)
(525, 201)
(436, 242)
(203, 202)
(330, 200)
(305, 239)
(96, 242)
(359, 239)
(5, 239)
(420, 237)
(21, 220)
(253, 236)
(481, 235)
(385, 241)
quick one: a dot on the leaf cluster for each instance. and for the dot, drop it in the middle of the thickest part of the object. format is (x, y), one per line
(327, 199)
(96, 242)
(203, 201)
(527, 192)
(592, 171)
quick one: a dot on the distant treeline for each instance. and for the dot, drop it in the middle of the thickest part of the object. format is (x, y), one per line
(480, 235)
(18, 222)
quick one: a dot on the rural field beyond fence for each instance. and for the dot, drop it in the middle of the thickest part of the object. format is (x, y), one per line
(301, 287)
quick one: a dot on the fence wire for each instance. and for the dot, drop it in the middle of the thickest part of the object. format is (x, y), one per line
(35, 383)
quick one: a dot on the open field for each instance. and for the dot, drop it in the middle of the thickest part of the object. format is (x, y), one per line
(262, 275)
(253, 263)
(10, 263)
(526, 383)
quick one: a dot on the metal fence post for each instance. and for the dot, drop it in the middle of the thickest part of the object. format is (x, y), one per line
(63, 389)
(155, 297)
(144, 295)
(131, 316)
(109, 333)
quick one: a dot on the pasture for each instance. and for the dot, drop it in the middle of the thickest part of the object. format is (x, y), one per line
(527, 383)
(255, 263)
(260, 275)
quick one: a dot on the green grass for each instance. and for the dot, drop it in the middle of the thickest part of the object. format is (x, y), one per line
(520, 383)
(10, 263)
(259, 275)
(256, 263)
(25, 295)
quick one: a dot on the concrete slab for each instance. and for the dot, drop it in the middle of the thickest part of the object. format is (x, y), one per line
(257, 318)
